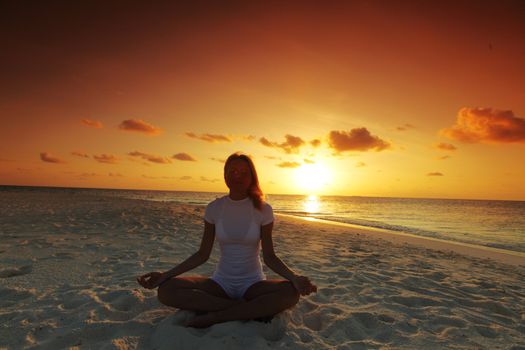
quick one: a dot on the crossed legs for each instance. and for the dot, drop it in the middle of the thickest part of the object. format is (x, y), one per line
(262, 299)
(194, 294)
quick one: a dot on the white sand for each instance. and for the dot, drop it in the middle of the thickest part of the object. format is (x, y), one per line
(68, 265)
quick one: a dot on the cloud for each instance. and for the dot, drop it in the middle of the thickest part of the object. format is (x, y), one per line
(46, 157)
(106, 158)
(213, 138)
(139, 160)
(159, 177)
(291, 145)
(358, 139)
(92, 123)
(209, 180)
(139, 125)
(405, 127)
(289, 165)
(115, 175)
(435, 174)
(360, 164)
(186, 177)
(315, 143)
(446, 146)
(151, 158)
(219, 160)
(443, 157)
(308, 161)
(80, 154)
(486, 125)
(88, 175)
(183, 156)
(265, 142)
(5, 160)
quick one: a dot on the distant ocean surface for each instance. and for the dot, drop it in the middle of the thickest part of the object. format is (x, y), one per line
(491, 223)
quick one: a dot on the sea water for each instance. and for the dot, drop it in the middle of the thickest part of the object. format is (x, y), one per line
(492, 223)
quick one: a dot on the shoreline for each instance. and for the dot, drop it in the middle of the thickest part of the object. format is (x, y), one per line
(469, 236)
(478, 251)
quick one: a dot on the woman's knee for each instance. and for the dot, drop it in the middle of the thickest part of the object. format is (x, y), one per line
(290, 295)
(166, 291)
(293, 294)
(162, 293)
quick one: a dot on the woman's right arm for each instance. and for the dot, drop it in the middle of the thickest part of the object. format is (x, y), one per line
(154, 279)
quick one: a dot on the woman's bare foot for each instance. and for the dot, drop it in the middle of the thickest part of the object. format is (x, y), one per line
(203, 321)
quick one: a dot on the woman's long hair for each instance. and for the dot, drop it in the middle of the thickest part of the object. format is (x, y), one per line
(254, 191)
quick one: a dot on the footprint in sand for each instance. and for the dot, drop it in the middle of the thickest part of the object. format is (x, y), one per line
(449, 322)
(437, 276)
(123, 300)
(17, 271)
(63, 256)
(9, 296)
(409, 327)
(486, 332)
(74, 301)
(415, 302)
(366, 319)
(307, 306)
(517, 347)
(499, 308)
(313, 321)
(385, 318)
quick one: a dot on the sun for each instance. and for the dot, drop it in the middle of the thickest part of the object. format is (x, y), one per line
(312, 178)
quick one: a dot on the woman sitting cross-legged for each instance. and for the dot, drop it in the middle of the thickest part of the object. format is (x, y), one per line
(238, 289)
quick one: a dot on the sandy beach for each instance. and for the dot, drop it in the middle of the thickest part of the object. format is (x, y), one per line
(68, 265)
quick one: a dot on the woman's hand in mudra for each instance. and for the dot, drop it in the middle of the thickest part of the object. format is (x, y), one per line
(151, 280)
(303, 285)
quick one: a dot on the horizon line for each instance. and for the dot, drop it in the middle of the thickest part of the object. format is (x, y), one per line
(268, 194)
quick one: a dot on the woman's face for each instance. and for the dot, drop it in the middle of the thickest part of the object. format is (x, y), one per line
(238, 175)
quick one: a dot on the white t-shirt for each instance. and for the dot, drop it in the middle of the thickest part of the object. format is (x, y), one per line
(238, 231)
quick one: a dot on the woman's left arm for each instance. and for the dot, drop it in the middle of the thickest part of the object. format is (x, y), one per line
(301, 283)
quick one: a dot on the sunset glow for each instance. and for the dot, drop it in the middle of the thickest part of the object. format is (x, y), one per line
(384, 98)
(312, 178)
(312, 204)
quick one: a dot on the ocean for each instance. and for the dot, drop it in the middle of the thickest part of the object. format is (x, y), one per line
(490, 223)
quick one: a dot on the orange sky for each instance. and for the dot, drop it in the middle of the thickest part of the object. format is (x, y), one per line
(407, 99)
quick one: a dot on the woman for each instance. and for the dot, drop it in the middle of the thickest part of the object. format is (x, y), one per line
(238, 289)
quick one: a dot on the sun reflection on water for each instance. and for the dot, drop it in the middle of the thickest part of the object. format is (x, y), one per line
(311, 204)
